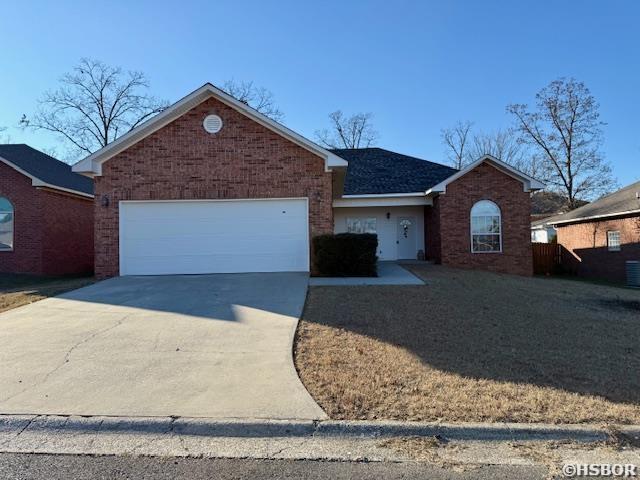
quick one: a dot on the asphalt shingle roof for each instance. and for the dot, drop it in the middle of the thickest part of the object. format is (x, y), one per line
(377, 171)
(45, 167)
(624, 200)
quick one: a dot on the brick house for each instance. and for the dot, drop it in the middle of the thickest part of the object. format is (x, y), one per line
(210, 185)
(598, 239)
(46, 214)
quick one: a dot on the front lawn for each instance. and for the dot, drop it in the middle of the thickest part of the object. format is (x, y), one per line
(473, 346)
(17, 290)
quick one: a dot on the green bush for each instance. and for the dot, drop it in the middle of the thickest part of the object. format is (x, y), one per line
(346, 255)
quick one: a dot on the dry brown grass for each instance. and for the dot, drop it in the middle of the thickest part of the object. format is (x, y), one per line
(18, 290)
(473, 346)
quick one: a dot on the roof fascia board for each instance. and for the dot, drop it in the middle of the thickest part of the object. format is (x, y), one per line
(381, 201)
(92, 163)
(385, 195)
(36, 182)
(595, 217)
(529, 183)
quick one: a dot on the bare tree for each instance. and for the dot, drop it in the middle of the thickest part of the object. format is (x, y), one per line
(4, 137)
(355, 131)
(565, 129)
(505, 145)
(501, 144)
(465, 146)
(456, 139)
(51, 151)
(94, 105)
(258, 98)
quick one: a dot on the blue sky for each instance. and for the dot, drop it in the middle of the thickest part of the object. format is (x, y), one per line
(417, 66)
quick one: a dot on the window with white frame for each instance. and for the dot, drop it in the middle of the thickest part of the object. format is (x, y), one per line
(486, 228)
(6, 224)
(361, 225)
(613, 241)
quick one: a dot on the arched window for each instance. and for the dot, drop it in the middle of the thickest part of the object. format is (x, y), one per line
(486, 228)
(6, 224)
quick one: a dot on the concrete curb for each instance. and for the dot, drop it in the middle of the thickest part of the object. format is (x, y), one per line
(294, 440)
(467, 431)
(264, 428)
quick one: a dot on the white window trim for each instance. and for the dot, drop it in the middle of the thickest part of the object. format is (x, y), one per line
(13, 229)
(471, 234)
(616, 248)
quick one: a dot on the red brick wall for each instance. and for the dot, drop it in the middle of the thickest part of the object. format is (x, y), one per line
(26, 256)
(432, 231)
(68, 234)
(486, 182)
(53, 232)
(585, 251)
(182, 161)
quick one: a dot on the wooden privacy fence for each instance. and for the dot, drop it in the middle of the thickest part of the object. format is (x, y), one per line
(546, 257)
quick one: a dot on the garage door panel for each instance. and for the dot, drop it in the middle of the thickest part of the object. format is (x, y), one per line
(213, 236)
(222, 209)
(201, 245)
(174, 227)
(236, 231)
(198, 263)
(208, 219)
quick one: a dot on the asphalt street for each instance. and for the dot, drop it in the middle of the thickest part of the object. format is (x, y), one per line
(67, 467)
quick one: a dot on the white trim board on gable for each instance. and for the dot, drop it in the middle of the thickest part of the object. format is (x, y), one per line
(528, 183)
(92, 165)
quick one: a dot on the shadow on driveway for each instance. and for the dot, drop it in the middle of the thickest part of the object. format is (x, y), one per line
(194, 346)
(202, 296)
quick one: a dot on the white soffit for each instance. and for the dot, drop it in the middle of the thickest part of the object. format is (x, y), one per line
(381, 201)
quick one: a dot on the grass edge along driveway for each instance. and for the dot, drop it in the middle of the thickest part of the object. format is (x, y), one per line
(473, 346)
(17, 290)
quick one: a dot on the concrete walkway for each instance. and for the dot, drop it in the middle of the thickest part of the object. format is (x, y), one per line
(216, 346)
(389, 273)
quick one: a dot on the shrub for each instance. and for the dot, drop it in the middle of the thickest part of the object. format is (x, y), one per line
(346, 255)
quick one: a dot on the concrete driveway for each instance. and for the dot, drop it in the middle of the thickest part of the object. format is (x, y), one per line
(197, 346)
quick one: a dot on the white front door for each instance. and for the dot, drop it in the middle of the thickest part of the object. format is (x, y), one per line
(407, 238)
(213, 236)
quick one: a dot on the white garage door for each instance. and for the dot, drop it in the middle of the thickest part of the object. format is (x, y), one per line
(213, 236)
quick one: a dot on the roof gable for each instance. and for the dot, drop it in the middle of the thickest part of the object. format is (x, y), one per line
(528, 183)
(92, 165)
(44, 170)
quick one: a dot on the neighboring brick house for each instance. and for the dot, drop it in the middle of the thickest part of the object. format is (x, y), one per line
(210, 185)
(598, 239)
(46, 214)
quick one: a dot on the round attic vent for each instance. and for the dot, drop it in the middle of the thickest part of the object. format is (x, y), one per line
(212, 123)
